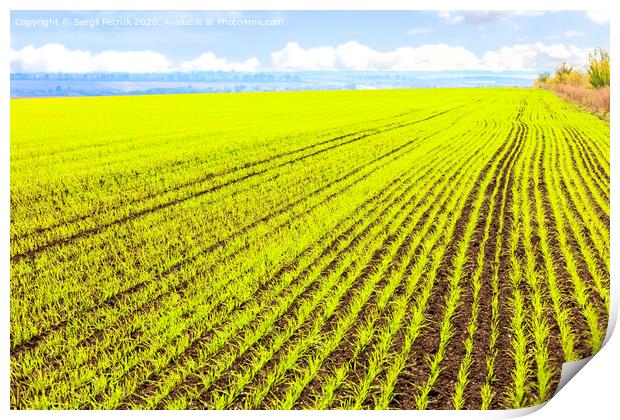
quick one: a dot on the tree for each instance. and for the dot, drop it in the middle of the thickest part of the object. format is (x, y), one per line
(598, 68)
(562, 72)
(543, 77)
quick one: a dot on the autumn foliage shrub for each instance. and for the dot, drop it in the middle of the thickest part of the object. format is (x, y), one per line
(588, 88)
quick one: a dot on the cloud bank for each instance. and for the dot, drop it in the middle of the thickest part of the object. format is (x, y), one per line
(57, 58)
(347, 56)
(209, 62)
(354, 56)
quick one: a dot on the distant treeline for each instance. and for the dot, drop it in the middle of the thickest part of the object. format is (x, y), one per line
(211, 76)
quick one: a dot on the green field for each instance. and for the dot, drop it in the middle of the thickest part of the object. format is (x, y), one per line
(440, 248)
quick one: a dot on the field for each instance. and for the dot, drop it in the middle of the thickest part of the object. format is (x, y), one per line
(418, 249)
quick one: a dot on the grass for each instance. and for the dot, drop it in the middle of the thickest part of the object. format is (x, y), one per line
(431, 248)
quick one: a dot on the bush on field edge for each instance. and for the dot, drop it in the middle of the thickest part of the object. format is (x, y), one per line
(588, 87)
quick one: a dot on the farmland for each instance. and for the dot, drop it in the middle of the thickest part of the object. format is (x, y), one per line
(416, 249)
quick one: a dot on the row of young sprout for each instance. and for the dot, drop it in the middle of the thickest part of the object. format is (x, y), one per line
(195, 338)
(530, 325)
(298, 290)
(88, 201)
(379, 355)
(365, 333)
(452, 300)
(175, 263)
(592, 212)
(163, 157)
(487, 393)
(568, 222)
(537, 291)
(176, 186)
(254, 366)
(497, 199)
(159, 285)
(59, 303)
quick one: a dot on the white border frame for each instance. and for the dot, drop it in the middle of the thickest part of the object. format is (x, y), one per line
(592, 394)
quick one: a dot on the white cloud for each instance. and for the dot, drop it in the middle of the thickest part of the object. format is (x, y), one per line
(347, 56)
(482, 17)
(57, 58)
(598, 16)
(450, 17)
(533, 56)
(432, 57)
(294, 57)
(355, 56)
(209, 62)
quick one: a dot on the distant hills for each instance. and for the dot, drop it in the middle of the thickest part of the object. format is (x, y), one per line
(94, 84)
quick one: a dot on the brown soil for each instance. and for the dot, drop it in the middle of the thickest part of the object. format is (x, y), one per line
(417, 371)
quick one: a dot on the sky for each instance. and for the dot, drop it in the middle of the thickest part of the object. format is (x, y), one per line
(134, 41)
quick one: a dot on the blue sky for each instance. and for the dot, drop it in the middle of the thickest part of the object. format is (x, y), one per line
(306, 40)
